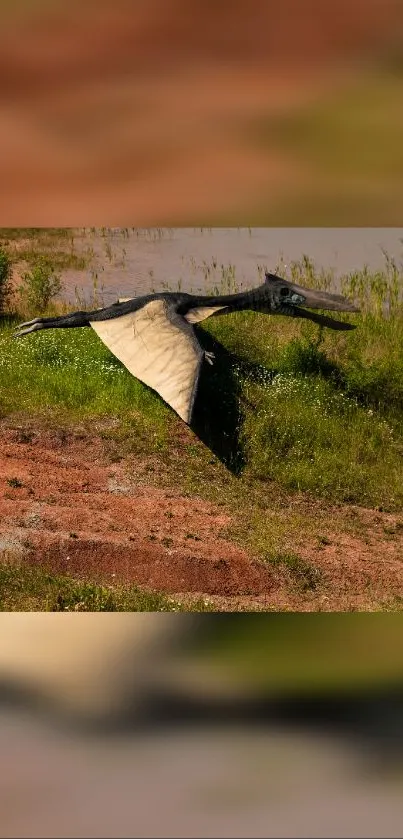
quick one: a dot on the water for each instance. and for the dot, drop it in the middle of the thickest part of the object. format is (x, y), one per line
(135, 261)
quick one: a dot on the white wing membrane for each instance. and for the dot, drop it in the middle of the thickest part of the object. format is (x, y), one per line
(160, 349)
(201, 313)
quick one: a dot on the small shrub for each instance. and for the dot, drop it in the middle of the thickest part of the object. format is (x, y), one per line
(40, 285)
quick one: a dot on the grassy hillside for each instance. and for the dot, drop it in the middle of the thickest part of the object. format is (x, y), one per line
(311, 410)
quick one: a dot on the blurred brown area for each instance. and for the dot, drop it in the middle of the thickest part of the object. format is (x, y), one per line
(173, 112)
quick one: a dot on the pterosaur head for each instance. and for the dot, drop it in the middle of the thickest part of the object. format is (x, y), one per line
(290, 298)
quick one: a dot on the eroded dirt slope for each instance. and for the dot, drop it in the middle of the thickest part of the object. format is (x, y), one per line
(64, 504)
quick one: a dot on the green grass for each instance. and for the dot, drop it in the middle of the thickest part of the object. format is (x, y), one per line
(308, 410)
(323, 411)
(26, 588)
(308, 436)
(74, 374)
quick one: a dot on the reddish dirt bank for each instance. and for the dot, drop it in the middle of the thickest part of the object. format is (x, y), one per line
(65, 505)
(79, 514)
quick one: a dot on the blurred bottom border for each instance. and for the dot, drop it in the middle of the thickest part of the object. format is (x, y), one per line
(210, 725)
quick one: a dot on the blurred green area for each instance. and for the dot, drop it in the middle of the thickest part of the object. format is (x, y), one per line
(295, 654)
(358, 131)
(342, 155)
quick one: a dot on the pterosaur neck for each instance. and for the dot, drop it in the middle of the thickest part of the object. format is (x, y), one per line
(254, 299)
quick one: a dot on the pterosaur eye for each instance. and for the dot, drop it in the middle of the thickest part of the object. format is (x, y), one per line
(284, 292)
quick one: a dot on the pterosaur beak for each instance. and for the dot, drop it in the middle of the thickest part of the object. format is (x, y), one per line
(321, 320)
(309, 297)
(324, 300)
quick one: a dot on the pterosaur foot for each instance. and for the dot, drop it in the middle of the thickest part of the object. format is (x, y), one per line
(27, 327)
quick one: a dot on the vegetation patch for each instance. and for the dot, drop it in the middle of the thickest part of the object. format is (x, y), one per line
(304, 576)
(28, 588)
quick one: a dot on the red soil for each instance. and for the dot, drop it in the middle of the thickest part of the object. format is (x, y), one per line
(78, 513)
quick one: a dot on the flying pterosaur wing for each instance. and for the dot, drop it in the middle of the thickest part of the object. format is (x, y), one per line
(160, 348)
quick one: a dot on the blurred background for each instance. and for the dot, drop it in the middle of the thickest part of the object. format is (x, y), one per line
(189, 725)
(173, 112)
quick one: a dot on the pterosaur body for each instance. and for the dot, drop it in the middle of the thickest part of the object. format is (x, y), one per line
(153, 335)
